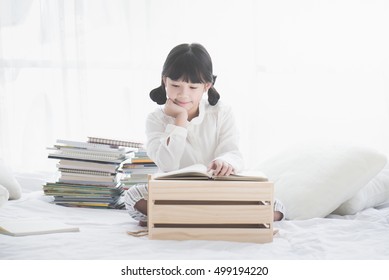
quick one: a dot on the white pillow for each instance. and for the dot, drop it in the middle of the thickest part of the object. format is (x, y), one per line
(312, 181)
(4, 195)
(375, 193)
(9, 182)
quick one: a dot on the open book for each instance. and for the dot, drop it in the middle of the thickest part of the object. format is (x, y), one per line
(200, 172)
(23, 227)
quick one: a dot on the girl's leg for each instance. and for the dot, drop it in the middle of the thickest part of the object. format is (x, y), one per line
(279, 210)
(135, 200)
(278, 216)
(141, 206)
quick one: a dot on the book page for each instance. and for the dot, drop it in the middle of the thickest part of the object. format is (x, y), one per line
(196, 171)
(199, 172)
(244, 176)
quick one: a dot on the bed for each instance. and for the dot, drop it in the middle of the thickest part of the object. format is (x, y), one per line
(102, 235)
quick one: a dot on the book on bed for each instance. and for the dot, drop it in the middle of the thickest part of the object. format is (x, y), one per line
(200, 172)
(23, 227)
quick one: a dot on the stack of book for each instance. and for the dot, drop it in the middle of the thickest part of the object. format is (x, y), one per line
(89, 174)
(138, 168)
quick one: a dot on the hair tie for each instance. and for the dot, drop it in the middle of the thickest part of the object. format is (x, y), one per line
(214, 79)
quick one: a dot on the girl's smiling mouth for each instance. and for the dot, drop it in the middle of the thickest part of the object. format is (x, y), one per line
(181, 103)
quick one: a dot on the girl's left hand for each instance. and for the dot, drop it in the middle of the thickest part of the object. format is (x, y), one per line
(220, 168)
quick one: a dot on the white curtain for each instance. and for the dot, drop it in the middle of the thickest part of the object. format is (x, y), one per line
(294, 71)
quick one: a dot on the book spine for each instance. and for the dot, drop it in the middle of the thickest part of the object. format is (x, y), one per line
(112, 142)
(75, 164)
(96, 160)
(85, 172)
(80, 182)
(107, 151)
(87, 155)
(85, 145)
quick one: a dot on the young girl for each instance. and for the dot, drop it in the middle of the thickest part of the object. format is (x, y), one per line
(189, 129)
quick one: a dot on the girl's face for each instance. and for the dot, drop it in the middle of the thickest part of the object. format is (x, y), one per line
(186, 95)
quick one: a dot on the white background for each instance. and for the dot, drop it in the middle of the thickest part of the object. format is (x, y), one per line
(294, 71)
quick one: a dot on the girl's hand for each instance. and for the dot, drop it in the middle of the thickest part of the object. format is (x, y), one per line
(173, 110)
(179, 113)
(221, 168)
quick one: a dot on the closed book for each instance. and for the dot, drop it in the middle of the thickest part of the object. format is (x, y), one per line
(23, 227)
(82, 165)
(87, 177)
(114, 142)
(86, 158)
(88, 146)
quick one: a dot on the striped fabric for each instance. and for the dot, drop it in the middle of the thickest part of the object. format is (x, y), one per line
(132, 196)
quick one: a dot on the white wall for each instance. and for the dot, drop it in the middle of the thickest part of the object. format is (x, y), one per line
(294, 71)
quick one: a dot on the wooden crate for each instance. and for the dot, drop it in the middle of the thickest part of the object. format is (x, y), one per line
(210, 210)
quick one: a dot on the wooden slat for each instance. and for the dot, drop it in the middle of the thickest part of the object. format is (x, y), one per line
(239, 234)
(212, 226)
(220, 214)
(209, 202)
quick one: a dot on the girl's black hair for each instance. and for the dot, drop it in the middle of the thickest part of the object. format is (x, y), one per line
(191, 63)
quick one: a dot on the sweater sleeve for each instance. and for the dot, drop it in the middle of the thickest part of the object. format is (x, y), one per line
(165, 142)
(228, 140)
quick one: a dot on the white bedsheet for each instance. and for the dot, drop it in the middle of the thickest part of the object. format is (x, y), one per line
(103, 235)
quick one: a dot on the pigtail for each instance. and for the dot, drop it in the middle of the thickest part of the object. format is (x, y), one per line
(213, 96)
(158, 95)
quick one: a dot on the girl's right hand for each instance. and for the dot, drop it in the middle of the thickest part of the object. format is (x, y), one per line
(179, 113)
(220, 168)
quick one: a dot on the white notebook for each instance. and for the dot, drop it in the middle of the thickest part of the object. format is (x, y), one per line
(23, 227)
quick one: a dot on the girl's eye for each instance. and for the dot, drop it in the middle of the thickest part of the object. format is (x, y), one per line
(175, 85)
(193, 87)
